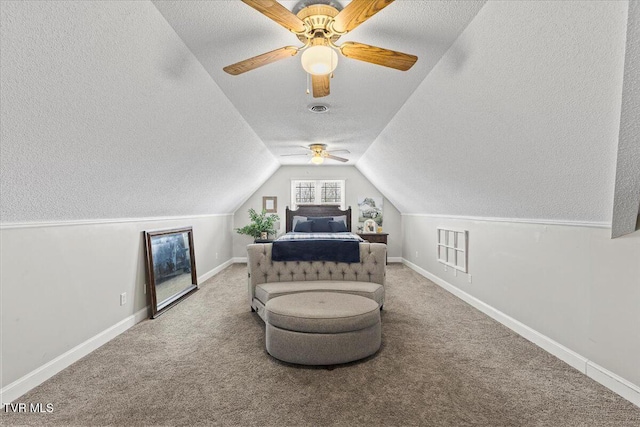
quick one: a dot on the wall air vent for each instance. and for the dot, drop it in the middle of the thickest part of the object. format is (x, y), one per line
(318, 108)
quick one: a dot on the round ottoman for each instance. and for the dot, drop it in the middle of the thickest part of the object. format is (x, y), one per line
(322, 328)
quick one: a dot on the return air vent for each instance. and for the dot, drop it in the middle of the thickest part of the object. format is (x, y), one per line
(318, 108)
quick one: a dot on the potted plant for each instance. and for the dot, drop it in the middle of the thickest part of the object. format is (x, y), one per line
(261, 225)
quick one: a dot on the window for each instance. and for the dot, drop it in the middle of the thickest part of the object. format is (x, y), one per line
(317, 192)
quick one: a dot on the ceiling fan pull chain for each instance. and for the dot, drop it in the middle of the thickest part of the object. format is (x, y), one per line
(308, 84)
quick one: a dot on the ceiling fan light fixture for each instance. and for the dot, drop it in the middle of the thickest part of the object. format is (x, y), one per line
(319, 60)
(317, 159)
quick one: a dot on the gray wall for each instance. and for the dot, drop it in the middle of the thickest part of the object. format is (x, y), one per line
(61, 284)
(279, 185)
(573, 284)
(105, 115)
(525, 128)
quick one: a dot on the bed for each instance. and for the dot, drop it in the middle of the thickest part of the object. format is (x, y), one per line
(318, 233)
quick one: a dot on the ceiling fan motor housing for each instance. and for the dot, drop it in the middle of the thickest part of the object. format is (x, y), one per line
(318, 18)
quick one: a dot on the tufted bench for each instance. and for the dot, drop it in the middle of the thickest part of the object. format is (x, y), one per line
(269, 279)
(322, 328)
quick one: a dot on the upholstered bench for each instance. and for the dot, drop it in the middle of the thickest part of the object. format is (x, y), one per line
(274, 279)
(322, 328)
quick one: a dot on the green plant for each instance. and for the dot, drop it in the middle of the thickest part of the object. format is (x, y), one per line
(260, 222)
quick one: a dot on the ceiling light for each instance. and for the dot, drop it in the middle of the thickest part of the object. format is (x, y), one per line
(317, 159)
(319, 60)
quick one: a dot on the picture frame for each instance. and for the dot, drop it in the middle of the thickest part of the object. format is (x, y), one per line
(171, 267)
(371, 207)
(370, 226)
(270, 204)
(452, 248)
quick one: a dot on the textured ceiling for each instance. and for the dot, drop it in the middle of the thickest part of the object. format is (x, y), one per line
(106, 113)
(526, 128)
(96, 123)
(364, 97)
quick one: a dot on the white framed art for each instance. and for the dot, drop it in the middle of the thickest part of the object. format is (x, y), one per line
(452, 248)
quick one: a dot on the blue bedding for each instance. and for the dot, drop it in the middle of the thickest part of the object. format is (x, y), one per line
(336, 247)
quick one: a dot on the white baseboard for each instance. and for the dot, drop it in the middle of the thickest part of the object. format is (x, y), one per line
(22, 385)
(34, 378)
(618, 385)
(613, 382)
(394, 259)
(208, 275)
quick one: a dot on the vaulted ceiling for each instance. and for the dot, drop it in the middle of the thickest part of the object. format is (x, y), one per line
(121, 109)
(273, 99)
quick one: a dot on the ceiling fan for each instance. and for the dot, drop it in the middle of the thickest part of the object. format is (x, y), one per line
(319, 26)
(319, 153)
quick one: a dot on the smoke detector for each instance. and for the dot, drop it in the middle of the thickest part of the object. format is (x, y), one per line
(318, 108)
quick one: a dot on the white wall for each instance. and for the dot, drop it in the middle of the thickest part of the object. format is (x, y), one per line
(572, 284)
(279, 185)
(61, 282)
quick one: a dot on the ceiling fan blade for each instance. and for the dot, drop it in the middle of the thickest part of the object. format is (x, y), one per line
(277, 12)
(293, 155)
(338, 151)
(379, 56)
(260, 60)
(356, 12)
(320, 85)
(340, 159)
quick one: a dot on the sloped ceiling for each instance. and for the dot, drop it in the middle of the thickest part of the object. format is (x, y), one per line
(100, 120)
(526, 127)
(107, 113)
(363, 97)
(626, 215)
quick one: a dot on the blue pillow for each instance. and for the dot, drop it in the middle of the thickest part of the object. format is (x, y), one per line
(296, 219)
(320, 224)
(337, 226)
(303, 227)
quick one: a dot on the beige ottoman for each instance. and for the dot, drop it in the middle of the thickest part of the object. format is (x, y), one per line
(322, 328)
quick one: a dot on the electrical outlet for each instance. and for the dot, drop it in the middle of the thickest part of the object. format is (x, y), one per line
(445, 267)
(455, 272)
(145, 288)
(123, 298)
(469, 278)
(416, 254)
(216, 255)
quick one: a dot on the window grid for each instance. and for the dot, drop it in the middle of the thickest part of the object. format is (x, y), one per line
(452, 248)
(330, 192)
(305, 192)
(317, 192)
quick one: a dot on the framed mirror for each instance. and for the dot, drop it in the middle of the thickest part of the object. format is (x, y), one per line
(171, 267)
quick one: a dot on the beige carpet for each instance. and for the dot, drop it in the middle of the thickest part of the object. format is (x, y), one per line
(442, 363)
